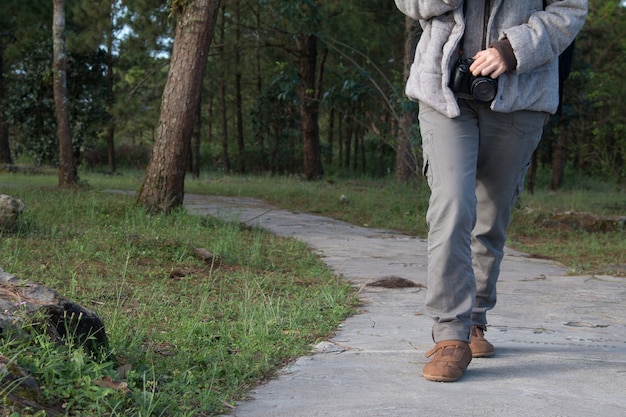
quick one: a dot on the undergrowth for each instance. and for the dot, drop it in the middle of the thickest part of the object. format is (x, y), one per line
(187, 338)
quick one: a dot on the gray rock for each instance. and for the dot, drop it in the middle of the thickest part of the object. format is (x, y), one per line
(10, 210)
(66, 319)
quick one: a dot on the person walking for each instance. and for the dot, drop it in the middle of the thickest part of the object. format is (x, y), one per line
(485, 75)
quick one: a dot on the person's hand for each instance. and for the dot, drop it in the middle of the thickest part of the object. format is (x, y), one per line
(488, 63)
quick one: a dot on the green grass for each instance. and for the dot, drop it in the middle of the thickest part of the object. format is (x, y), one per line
(194, 336)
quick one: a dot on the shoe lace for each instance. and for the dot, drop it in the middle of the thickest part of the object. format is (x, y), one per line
(442, 346)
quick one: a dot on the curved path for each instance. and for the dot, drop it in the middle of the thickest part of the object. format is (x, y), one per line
(560, 340)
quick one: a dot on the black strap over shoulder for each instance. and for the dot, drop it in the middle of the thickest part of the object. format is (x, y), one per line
(462, 43)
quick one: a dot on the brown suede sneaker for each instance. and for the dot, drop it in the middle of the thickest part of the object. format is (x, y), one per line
(451, 359)
(480, 347)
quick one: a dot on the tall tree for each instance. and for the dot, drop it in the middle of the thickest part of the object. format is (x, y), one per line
(223, 94)
(309, 106)
(110, 133)
(406, 161)
(238, 88)
(163, 186)
(5, 149)
(68, 176)
(310, 89)
(194, 150)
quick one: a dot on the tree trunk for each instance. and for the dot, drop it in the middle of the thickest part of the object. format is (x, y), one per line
(195, 141)
(532, 173)
(309, 106)
(163, 186)
(355, 151)
(209, 119)
(340, 137)
(382, 169)
(5, 149)
(406, 162)
(559, 161)
(362, 149)
(349, 134)
(275, 130)
(67, 167)
(223, 107)
(110, 135)
(263, 152)
(331, 136)
(238, 98)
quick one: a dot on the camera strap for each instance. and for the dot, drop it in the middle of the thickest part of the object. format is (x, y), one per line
(461, 44)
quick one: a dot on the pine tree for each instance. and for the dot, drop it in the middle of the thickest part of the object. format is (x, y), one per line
(163, 186)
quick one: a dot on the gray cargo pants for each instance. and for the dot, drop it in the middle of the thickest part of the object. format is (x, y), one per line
(475, 165)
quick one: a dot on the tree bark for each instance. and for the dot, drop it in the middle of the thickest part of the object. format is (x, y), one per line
(363, 158)
(406, 161)
(163, 186)
(195, 141)
(238, 94)
(67, 167)
(110, 135)
(559, 161)
(349, 135)
(340, 136)
(331, 136)
(223, 107)
(209, 118)
(5, 149)
(531, 175)
(309, 106)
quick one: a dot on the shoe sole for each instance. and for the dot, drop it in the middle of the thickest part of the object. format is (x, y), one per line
(439, 378)
(482, 354)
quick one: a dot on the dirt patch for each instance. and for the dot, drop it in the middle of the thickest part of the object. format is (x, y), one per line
(588, 222)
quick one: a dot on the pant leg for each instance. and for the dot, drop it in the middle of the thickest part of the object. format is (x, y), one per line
(507, 142)
(451, 148)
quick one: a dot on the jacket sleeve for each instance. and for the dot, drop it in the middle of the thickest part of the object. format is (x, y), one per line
(547, 33)
(427, 9)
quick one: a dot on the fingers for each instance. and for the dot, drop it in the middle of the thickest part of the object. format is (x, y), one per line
(488, 63)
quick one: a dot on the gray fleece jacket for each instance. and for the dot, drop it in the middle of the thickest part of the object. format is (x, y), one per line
(537, 37)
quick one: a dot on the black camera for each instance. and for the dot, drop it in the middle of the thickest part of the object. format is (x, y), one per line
(463, 81)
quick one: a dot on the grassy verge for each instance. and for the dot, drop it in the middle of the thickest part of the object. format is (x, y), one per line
(191, 337)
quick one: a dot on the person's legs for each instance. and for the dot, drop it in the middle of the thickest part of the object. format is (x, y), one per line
(507, 142)
(475, 165)
(451, 148)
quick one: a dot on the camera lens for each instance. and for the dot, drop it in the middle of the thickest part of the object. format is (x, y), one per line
(484, 89)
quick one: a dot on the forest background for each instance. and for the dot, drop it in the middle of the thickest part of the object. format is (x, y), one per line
(257, 80)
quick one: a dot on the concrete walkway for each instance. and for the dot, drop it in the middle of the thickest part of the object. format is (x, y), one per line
(560, 340)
